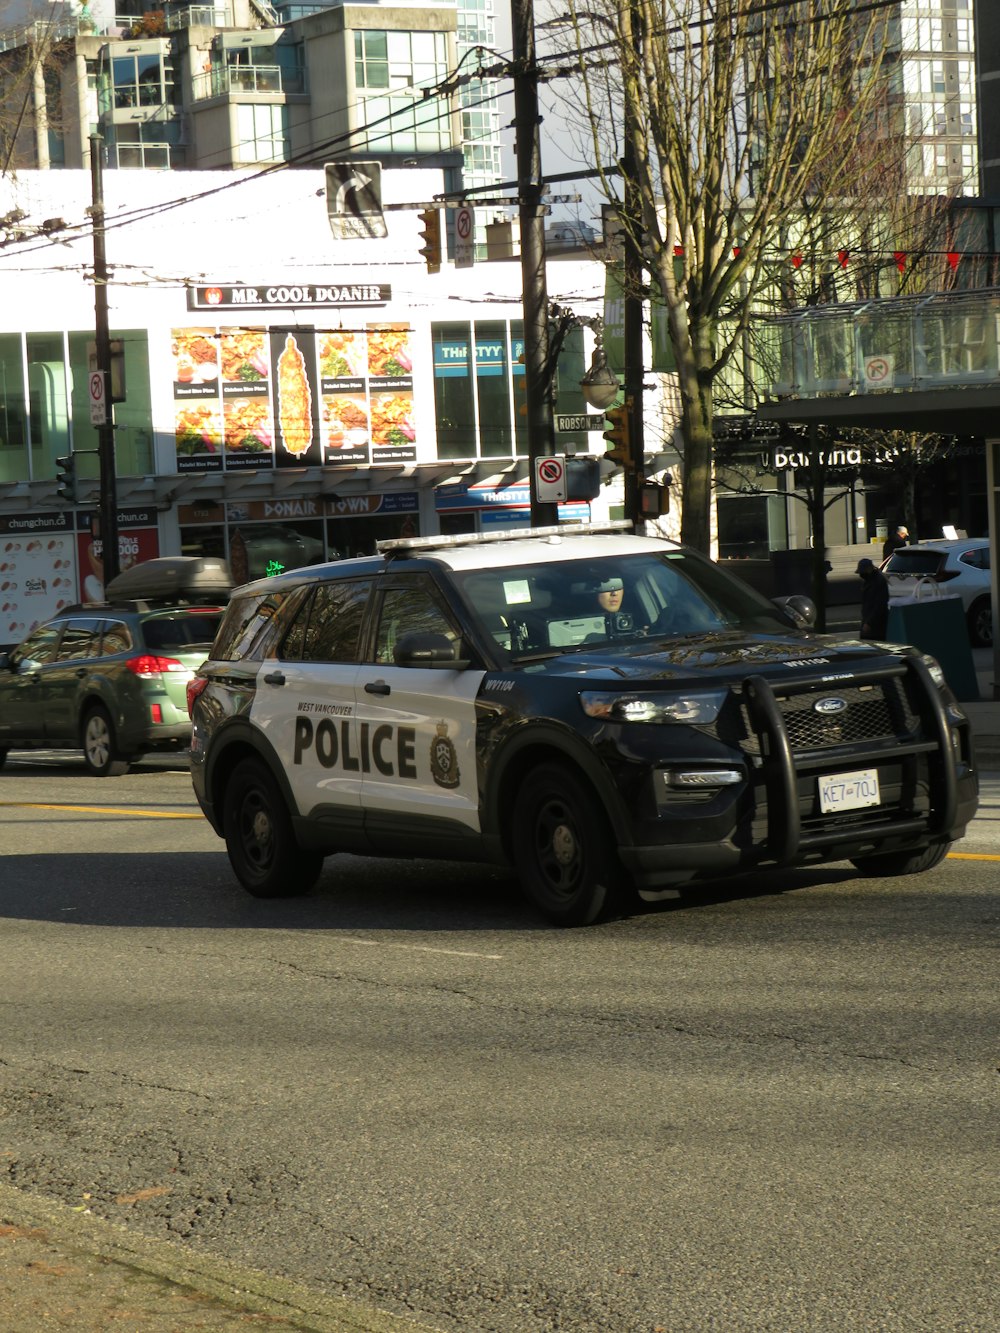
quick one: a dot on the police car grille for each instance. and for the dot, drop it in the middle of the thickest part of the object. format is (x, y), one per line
(876, 712)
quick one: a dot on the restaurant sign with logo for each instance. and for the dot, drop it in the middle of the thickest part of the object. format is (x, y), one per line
(310, 294)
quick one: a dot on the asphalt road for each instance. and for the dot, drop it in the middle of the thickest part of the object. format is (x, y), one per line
(771, 1106)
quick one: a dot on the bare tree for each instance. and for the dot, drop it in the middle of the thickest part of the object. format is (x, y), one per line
(31, 66)
(737, 120)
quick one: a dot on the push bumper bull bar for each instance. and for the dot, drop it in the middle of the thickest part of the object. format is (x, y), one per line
(781, 767)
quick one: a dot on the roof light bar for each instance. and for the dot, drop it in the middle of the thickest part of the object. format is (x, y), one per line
(399, 545)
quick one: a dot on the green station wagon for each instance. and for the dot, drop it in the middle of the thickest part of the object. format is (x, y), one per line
(108, 678)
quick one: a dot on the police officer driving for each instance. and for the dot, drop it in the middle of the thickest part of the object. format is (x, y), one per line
(610, 593)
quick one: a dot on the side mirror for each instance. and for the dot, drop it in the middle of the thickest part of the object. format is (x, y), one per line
(799, 609)
(423, 649)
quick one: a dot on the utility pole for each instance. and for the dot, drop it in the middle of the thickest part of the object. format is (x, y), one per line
(105, 430)
(632, 303)
(538, 368)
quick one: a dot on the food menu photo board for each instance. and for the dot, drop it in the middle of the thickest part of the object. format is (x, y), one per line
(366, 383)
(292, 397)
(197, 410)
(390, 385)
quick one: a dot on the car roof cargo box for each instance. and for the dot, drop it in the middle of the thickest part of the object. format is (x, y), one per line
(173, 578)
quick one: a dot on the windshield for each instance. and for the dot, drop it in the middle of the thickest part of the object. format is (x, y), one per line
(562, 607)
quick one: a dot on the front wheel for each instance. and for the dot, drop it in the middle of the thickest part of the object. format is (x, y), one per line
(901, 863)
(980, 619)
(265, 857)
(100, 747)
(564, 848)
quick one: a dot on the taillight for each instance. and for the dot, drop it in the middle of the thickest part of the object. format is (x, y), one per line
(148, 665)
(194, 688)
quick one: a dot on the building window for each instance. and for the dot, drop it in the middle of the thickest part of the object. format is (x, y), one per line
(262, 133)
(391, 69)
(144, 80)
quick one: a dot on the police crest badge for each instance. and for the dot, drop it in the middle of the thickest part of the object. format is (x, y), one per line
(444, 758)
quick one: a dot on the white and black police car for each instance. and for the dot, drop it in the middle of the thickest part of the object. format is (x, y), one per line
(610, 714)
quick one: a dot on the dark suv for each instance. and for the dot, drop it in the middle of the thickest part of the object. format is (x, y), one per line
(607, 713)
(107, 677)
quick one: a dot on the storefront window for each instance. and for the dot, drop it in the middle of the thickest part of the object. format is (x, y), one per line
(493, 390)
(48, 408)
(13, 425)
(454, 401)
(133, 416)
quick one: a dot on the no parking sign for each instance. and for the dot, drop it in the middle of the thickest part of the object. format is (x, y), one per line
(550, 478)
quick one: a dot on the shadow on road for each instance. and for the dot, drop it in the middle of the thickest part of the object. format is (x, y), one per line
(197, 890)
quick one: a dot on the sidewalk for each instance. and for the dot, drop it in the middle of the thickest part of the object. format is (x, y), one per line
(63, 1269)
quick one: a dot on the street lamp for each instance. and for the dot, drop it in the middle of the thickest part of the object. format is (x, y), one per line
(600, 384)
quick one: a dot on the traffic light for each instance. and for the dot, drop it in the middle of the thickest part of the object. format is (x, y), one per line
(430, 230)
(617, 435)
(66, 478)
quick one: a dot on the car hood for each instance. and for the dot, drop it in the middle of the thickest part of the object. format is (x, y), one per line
(729, 656)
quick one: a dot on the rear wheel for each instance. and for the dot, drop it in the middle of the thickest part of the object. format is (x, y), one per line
(901, 863)
(980, 618)
(100, 748)
(263, 852)
(564, 848)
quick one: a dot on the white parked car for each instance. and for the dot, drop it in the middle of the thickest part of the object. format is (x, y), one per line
(961, 567)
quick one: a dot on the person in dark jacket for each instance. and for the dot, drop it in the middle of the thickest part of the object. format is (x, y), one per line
(900, 536)
(874, 601)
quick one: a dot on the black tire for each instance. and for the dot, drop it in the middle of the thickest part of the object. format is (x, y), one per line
(265, 857)
(100, 747)
(901, 863)
(564, 848)
(980, 618)
(3, 758)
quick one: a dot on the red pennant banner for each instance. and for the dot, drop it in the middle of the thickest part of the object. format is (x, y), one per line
(678, 252)
(843, 256)
(797, 261)
(953, 259)
(900, 258)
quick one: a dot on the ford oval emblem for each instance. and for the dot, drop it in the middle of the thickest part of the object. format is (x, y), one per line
(833, 704)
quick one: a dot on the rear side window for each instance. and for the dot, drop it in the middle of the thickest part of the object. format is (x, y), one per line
(978, 558)
(914, 562)
(244, 629)
(80, 639)
(328, 626)
(178, 632)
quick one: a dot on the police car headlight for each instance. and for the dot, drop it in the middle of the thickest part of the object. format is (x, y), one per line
(934, 667)
(694, 709)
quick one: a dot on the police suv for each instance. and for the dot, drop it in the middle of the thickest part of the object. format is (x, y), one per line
(610, 714)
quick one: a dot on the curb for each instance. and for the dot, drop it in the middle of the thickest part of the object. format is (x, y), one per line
(242, 1289)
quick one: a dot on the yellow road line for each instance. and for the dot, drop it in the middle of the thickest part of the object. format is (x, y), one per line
(972, 856)
(101, 810)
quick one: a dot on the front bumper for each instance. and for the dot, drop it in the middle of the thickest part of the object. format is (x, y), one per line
(772, 816)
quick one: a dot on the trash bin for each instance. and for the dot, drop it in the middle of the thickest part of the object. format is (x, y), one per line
(937, 625)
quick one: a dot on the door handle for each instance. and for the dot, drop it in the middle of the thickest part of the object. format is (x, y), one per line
(377, 687)
(274, 678)
(80, 672)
